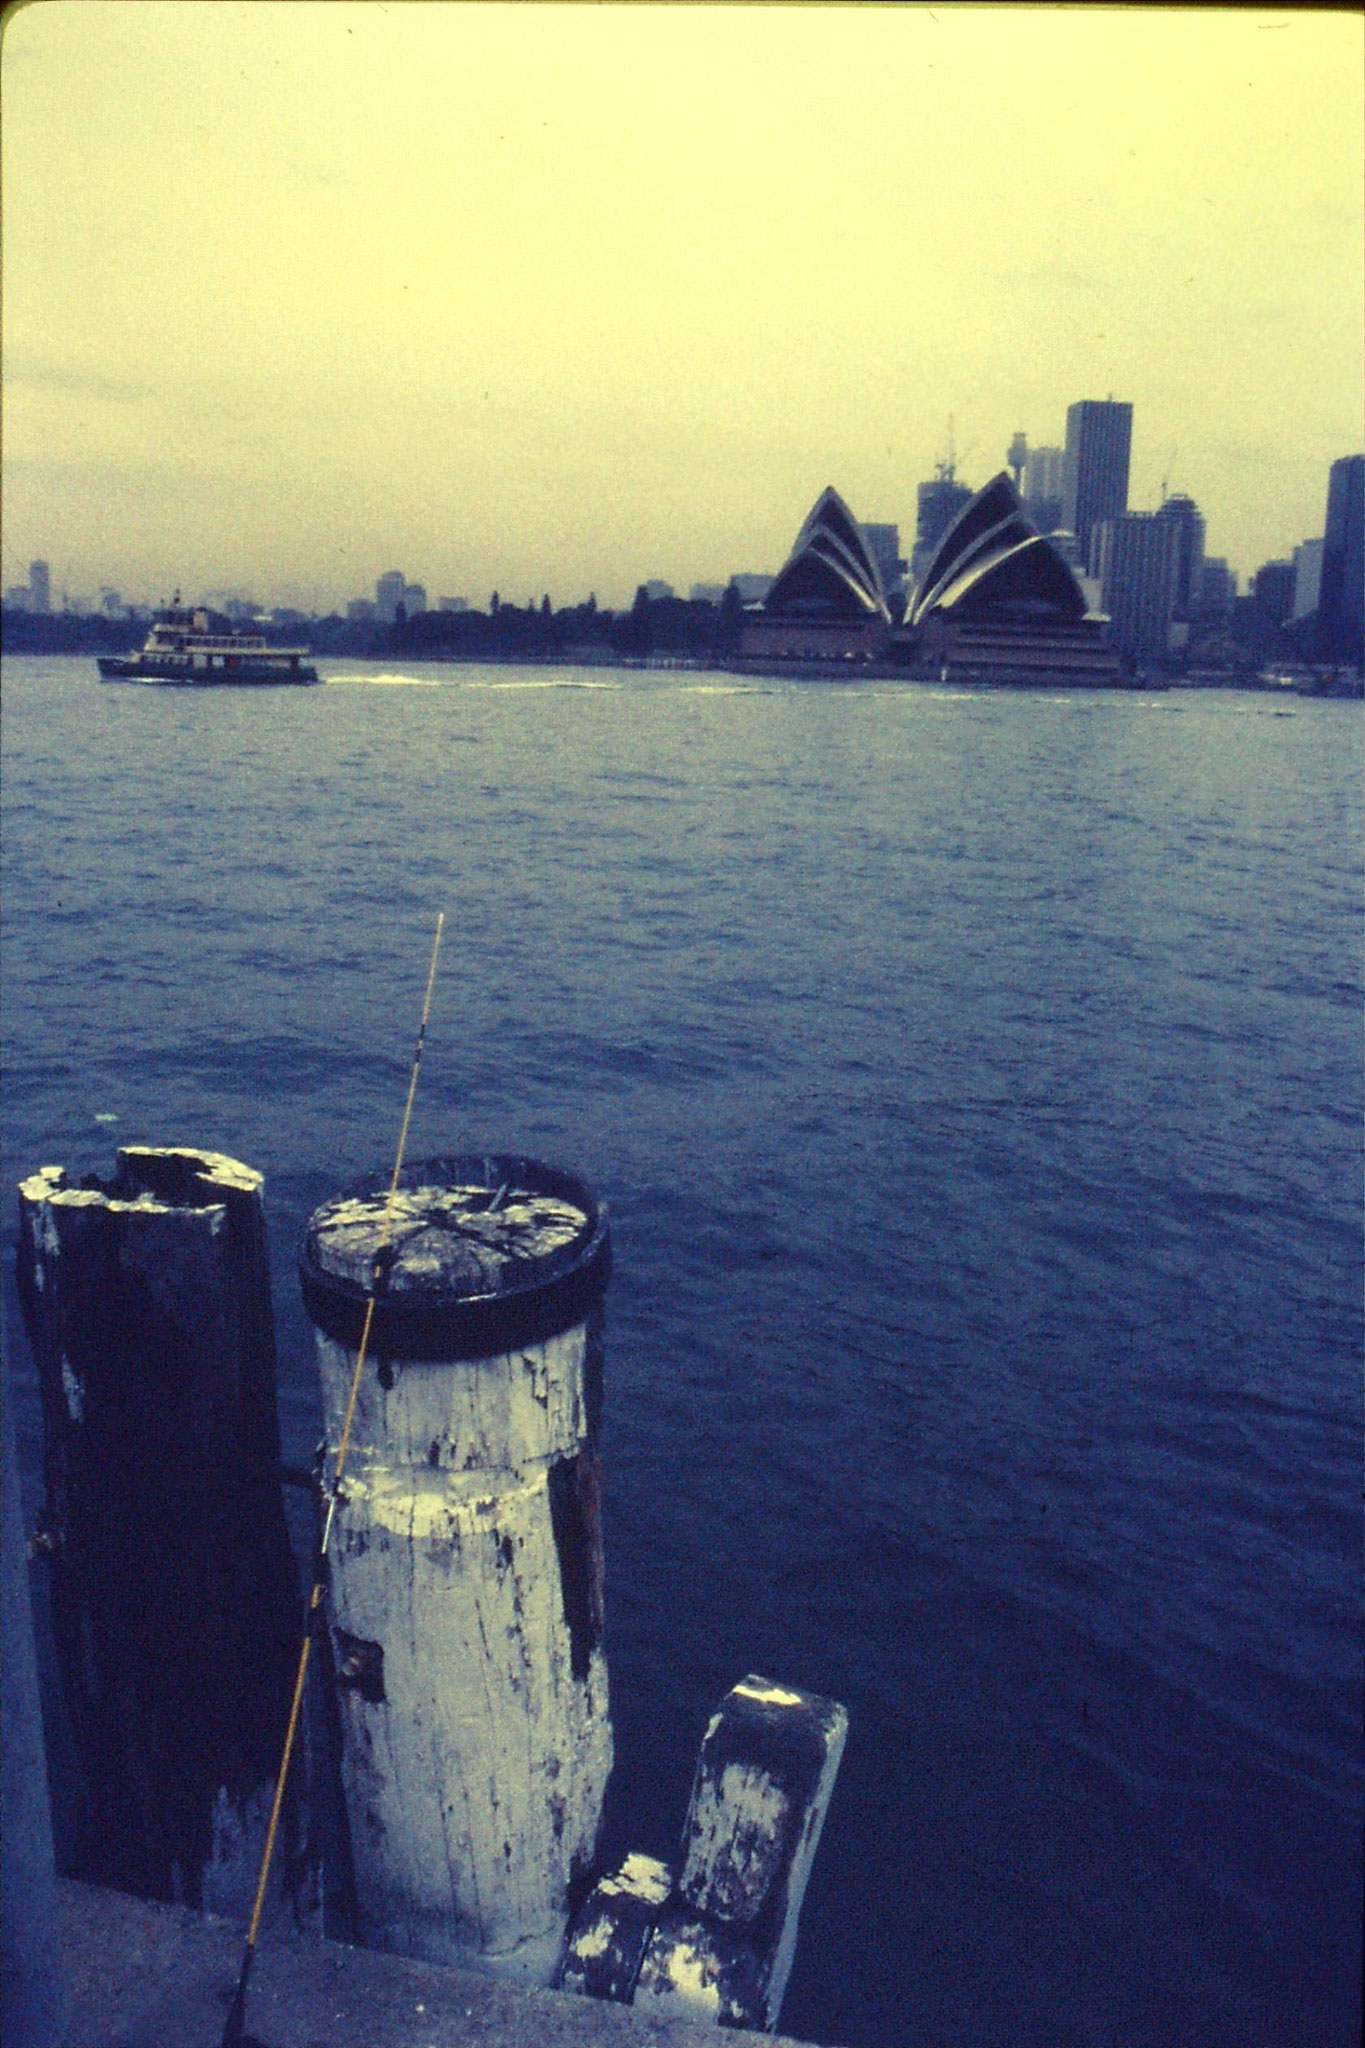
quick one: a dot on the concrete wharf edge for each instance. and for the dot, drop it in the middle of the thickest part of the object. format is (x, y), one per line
(143, 1975)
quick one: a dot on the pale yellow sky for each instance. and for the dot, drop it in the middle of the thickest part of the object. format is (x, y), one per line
(554, 297)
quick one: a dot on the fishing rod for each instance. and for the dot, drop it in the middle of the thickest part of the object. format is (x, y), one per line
(233, 2035)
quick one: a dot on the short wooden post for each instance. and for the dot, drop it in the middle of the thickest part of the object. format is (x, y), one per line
(465, 1595)
(175, 1600)
(722, 1948)
(612, 1930)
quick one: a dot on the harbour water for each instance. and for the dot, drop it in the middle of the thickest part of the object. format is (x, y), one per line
(975, 1081)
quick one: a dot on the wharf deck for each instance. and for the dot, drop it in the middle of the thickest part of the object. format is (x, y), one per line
(141, 1975)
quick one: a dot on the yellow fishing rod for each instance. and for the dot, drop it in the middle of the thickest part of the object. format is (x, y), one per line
(233, 2035)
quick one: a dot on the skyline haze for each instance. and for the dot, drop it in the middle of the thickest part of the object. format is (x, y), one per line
(559, 298)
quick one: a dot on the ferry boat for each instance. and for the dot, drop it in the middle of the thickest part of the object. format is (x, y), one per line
(188, 645)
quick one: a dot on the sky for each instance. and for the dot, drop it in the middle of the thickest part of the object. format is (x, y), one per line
(557, 298)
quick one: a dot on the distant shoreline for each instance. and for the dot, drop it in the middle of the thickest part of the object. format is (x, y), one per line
(1334, 686)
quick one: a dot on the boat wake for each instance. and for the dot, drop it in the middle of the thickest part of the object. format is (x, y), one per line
(390, 682)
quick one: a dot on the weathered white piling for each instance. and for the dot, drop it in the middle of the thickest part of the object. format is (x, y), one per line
(465, 1596)
(722, 1947)
(174, 1595)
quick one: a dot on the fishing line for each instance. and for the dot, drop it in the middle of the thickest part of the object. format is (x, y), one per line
(233, 2036)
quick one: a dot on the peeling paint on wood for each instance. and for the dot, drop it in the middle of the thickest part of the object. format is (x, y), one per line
(467, 1548)
(612, 1930)
(175, 1601)
(724, 1945)
(699, 1969)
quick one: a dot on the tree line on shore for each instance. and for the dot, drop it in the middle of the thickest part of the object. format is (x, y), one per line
(682, 628)
(685, 627)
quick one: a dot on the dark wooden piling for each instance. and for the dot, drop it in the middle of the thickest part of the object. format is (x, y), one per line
(724, 1944)
(175, 1602)
(612, 1930)
(465, 1567)
(33, 1999)
(717, 1942)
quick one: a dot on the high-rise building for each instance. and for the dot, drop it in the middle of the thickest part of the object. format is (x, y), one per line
(388, 595)
(1217, 592)
(1307, 578)
(414, 599)
(1273, 589)
(706, 593)
(1099, 440)
(1341, 603)
(1137, 559)
(40, 599)
(1044, 487)
(938, 503)
(1188, 520)
(452, 604)
(884, 546)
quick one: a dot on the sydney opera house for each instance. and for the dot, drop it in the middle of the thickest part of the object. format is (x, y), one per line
(995, 603)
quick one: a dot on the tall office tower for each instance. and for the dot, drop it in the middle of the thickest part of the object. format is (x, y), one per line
(1273, 589)
(1044, 477)
(414, 599)
(884, 546)
(39, 585)
(1099, 440)
(1341, 602)
(1137, 558)
(1307, 578)
(1188, 520)
(388, 595)
(939, 502)
(1217, 592)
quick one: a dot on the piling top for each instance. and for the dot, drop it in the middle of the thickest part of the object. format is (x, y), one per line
(475, 1255)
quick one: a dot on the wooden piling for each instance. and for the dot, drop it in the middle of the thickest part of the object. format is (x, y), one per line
(723, 1944)
(612, 1930)
(465, 1596)
(174, 1593)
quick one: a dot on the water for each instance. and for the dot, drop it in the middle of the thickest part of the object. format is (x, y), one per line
(975, 1081)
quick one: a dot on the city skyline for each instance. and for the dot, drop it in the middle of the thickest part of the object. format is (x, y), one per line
(556, 298)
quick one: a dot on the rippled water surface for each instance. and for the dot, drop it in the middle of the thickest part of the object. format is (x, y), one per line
(975, 1081)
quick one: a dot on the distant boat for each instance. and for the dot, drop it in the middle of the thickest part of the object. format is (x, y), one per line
(184, 647)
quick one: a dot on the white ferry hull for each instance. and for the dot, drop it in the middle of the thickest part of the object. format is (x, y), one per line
(137, 668)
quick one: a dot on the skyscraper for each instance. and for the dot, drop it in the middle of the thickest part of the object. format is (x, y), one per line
(388, 595)
(939, 502)
(1099, 439)
(1217, 592)
(1045, 487)
(40, 587)
(1188, 520)
(1307, 578)
(884, 545)
(1273, 589)
(1341, 599)
(1138, 564)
